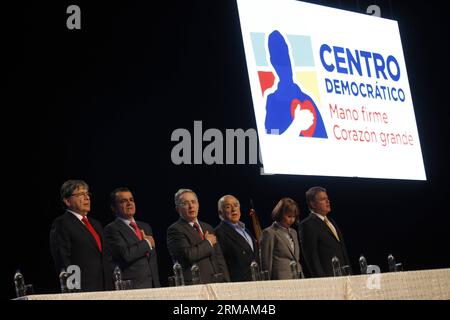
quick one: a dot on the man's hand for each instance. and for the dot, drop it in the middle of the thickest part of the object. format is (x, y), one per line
(149, 238)
(210, 237)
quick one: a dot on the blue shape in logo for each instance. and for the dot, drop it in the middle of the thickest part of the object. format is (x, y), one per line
(278, 107)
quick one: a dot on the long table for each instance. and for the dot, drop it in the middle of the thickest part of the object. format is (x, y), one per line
(424, 284)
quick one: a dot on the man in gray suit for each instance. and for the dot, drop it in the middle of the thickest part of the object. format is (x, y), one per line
(131, 242)
(191, 241)
(279, 243)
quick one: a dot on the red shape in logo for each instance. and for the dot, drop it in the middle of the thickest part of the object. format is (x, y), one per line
(307, 104)
(266, 80)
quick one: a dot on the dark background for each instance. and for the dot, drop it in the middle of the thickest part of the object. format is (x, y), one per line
(100, 104)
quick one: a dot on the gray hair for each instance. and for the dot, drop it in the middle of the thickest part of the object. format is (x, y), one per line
(220, 204)
(180, 192)
(70, 186)
(311, 194)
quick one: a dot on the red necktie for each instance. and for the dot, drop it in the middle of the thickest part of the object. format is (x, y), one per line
(136, 229)
(197, 227)
(138, 233)
(93, 232)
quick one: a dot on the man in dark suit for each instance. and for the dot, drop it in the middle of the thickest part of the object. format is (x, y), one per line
(191, 241)
(77, 240)
(238, 246)
(320, 237)
(131, 242)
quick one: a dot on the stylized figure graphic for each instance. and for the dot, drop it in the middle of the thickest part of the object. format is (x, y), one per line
(283, 105)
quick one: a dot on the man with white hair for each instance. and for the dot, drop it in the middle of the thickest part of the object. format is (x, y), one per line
(238, 245)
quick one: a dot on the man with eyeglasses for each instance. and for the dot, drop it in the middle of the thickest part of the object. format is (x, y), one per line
(78, 240)
(131, 242)
(320, 237)
(191, 241)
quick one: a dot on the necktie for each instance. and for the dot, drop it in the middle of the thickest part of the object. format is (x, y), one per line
(331, 227)
(136, 229)
(197, 227)
(138, 233)
(93, 232)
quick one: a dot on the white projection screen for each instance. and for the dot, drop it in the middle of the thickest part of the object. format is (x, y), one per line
(330, 92)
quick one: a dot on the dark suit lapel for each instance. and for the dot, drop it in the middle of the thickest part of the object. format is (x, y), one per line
(141, 226)
(324, 226)
(213, 258)
(337, 230)
(296, 247)
(190, 230)
(238, 238)
(126, 231)
(204, 228)
(284, 238)
(95, 225)
(83, 229)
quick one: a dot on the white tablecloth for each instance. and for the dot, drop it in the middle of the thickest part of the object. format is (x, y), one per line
(425, 284)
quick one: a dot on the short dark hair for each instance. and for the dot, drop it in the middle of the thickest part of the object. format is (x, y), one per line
(311, 194)
(70, 186)
(283, 206)
(112, 195)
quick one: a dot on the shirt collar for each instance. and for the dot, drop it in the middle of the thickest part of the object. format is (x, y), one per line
(126, 221)
(319, 216)
(281, 227)
(239, 224)
(77, 215)
(191, 223)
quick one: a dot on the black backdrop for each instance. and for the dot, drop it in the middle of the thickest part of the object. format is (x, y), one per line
(101, 103)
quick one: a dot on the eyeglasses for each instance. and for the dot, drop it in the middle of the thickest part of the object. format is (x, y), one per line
(186, 203)
(81, 194)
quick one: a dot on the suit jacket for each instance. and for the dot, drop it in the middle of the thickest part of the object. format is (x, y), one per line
(187, 247)
(319, 246)
(277, 254)
(71, 243)
(130, 254)
(237, 252)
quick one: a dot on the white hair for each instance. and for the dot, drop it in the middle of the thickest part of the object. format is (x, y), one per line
(220, 204)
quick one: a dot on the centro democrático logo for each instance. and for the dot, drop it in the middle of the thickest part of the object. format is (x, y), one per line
(285, 81)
